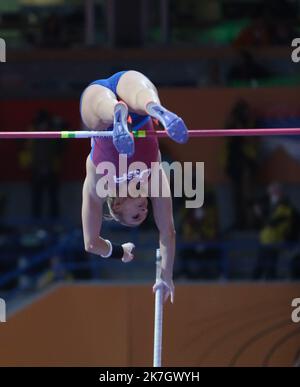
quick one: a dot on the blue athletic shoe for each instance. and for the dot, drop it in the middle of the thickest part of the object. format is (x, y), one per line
(173, 124)
(123, 140)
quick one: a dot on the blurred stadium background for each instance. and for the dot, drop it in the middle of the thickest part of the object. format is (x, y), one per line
(218, 64)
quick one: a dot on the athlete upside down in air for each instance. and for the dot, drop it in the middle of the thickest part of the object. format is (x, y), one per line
(106, 104)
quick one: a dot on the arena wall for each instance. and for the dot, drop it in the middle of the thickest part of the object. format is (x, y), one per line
(109, 325)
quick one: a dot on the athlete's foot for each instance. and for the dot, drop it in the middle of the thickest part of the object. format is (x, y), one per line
(123, 140)
(173, 124)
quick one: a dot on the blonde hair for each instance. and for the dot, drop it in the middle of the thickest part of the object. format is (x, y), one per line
(112, 214)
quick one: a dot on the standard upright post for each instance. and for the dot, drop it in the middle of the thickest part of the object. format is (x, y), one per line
(158, 321)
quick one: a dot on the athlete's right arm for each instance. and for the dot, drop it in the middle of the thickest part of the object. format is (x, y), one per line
(91, 213)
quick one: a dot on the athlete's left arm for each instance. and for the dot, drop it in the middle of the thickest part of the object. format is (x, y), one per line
(163, 215)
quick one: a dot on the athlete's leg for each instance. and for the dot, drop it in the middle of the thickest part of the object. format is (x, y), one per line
(97, 107)
(141, 97)
(100, 109)
(136, 90)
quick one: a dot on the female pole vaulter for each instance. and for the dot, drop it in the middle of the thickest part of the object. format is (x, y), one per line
(112, 103)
